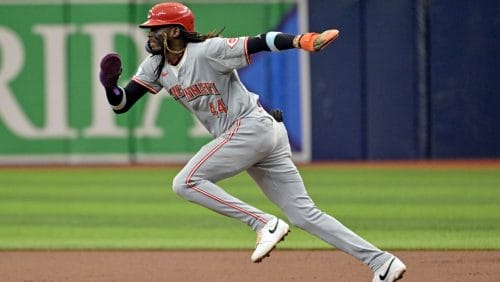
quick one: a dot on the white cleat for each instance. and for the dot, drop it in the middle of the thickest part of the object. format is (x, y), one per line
(268, 237)
(390, 271)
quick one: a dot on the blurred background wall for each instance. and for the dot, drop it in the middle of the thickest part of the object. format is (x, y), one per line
(408, 79)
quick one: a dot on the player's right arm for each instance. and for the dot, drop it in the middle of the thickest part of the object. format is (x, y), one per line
(120, 99)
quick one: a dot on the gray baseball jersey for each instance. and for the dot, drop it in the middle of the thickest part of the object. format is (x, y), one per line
(246, 138)
(205, 81)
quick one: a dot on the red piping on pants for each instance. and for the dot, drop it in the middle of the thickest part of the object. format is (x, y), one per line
(198, 165)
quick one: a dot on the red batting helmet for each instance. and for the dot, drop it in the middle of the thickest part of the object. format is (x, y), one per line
(170, 13)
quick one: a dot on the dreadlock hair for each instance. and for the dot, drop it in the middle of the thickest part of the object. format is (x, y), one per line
(187, 36)
(193, 36)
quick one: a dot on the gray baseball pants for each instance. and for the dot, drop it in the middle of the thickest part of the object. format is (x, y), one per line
(259, 144)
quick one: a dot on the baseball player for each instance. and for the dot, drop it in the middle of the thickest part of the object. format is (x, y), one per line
(200, 72)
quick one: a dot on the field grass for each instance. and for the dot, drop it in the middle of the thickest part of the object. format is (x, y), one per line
(135, 208)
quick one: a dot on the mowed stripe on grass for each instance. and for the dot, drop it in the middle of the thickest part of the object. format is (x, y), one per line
(128, 208)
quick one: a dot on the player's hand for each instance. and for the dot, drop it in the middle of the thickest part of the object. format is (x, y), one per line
(314, 42)
(111, 68)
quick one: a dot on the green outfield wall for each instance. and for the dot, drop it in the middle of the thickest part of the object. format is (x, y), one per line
(52, 106)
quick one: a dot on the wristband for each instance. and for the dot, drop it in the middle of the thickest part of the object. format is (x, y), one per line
(123, 102)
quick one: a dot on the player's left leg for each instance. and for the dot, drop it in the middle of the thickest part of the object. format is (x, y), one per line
(248, 141)
(281, 182)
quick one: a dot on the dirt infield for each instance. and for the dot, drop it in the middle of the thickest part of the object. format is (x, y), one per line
(283, 265)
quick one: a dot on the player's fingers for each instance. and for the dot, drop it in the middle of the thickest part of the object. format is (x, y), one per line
(111, 63)
(111, 68)
(325, 38)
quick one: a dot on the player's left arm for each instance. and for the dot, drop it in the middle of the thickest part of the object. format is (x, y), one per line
(277, 41)
(227, 54)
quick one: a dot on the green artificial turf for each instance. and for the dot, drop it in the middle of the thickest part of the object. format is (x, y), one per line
(135, 208)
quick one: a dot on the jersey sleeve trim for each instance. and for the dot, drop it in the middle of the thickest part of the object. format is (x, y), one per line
(247, 54)
(149, 87)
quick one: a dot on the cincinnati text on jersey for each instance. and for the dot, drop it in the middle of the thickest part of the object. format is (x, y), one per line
(193, 91)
